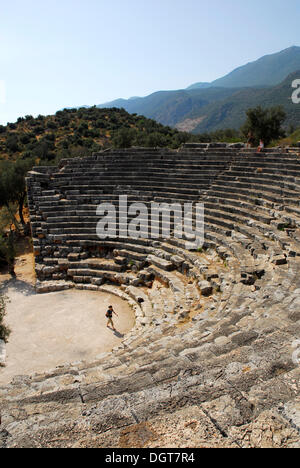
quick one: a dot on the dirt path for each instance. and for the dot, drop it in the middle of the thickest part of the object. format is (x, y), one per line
(53, 329)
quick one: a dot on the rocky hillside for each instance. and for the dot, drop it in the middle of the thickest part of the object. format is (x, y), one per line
(230, 111)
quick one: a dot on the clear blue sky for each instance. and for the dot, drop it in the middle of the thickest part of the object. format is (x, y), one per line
(66, 53)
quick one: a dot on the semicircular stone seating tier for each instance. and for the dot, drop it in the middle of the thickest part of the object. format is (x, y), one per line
(214, 345)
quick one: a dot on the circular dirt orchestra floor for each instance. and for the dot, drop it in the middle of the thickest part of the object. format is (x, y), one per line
(53, 329)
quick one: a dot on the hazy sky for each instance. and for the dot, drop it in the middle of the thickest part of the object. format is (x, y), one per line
(65, 53)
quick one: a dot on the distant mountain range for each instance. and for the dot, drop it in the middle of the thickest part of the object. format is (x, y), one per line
(229, 112)
(269, 70)
(222, 103)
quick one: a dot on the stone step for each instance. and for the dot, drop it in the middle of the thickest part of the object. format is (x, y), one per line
(176, 285)
(140, 178)
(132, 255)
(150, 161)
(267, 174)
(250, 205)
(142, 299)
(97, 277)
(249, 185)
(138, 245)
(52, 286)
(235, 213)
(279, 173)
(273, 165)
(168, 193)
(135, 183)
(244, 196)
(272, 230)
(86, 218)
(177, 168)
(161, 263)
(280, 183)
(236, 249)
(258, 195)
(96, 264)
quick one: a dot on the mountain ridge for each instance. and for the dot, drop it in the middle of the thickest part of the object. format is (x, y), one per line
(268, 70)
(231, 111)
(255, 79)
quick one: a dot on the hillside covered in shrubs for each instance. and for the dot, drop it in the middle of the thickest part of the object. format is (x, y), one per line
(79, 132)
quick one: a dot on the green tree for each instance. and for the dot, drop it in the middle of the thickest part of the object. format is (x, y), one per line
(265, 124)
(13, 186)
(18, 184)
(12, 143)
(5, 195)
(124, 138)
(156, 139)
(8, 251)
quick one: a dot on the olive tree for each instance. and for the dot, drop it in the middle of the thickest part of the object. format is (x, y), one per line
(264, 124)
(13, 186)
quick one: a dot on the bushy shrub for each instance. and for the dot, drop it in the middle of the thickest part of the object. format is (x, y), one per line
(12, 143)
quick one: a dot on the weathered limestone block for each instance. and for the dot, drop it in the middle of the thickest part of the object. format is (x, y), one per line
(268, 430)
(52, 286)
(291, 412)
(49, 270)
(136, 282)
(248, 278)
(97, 281)
(145, 275)
(120, 260)
(178, 261)
(279, 260)
(63, 262)
(59, 276)
(205, 288)
(73, 257)
(160, 263)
